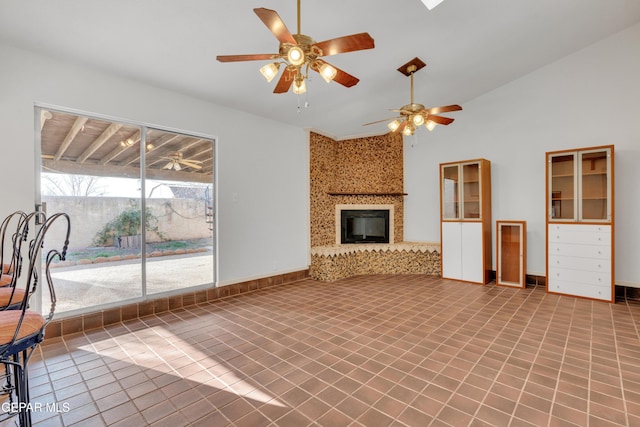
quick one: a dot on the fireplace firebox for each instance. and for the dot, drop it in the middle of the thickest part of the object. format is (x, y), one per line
(364, 226)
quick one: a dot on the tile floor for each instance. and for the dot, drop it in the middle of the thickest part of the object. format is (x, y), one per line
(364, 351)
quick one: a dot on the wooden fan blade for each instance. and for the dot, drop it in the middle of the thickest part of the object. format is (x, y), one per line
(190, 164)
(380, 121)
(345, 79)
(286, 79)
(401, 127)
(439, 119)
(342, 77)
(237, 58)
(344, 44)
(445, 109)
(274, 23)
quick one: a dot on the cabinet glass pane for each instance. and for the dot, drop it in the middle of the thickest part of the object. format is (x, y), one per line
(450, 192)
(509, 253)
(471, 191)
(562, 187)
(594, 182)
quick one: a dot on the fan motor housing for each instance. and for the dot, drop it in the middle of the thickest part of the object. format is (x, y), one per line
(412, 108)
(305, 43)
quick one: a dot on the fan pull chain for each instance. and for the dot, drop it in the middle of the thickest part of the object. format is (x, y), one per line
(306, 103)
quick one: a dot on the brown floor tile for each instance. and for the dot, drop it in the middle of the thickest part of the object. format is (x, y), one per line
(363, 351)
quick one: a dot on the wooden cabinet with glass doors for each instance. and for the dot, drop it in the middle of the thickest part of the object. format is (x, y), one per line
(580, 230)
(511, 253)
(465, 219)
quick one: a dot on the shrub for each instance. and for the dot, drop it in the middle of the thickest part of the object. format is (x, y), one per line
(127, 223)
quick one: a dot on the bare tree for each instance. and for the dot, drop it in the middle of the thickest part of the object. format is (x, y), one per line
(72, 185)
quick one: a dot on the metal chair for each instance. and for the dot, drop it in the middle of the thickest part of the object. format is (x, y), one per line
(10, 295)
(9, 259)
(23, 329)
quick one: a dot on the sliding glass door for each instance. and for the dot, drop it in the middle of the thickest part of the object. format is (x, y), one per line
(179, 211)
(141, 203)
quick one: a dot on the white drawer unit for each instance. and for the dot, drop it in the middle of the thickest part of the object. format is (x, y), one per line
(581, 276)
(580, 290)
(580, 260)
(584, 234)
(580, 223)
(602, 265)
(580, 250)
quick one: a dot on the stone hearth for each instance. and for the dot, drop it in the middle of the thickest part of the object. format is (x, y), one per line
(330, 263)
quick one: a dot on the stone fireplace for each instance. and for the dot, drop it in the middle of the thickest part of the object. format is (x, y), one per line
(361, 174)
(363, 171)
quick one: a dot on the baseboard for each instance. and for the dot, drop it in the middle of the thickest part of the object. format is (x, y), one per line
(101, 318)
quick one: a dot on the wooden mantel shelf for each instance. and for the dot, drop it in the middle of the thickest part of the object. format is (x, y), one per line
(350, 193)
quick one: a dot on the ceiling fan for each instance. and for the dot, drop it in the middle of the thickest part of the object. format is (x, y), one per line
(299, 53)
(176, 162)
(413, 115)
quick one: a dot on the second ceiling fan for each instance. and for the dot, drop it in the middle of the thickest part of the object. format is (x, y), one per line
(176, 162)
(299, 53)
(414, 115)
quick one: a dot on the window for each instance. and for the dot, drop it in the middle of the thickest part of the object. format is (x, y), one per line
(142, 208)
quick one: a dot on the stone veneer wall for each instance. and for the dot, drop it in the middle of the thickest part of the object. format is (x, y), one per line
(331, 263)
(362, 165)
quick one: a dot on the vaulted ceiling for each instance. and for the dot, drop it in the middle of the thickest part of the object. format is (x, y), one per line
(470, 47)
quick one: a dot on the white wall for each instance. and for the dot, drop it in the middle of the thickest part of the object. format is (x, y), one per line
(265, 164)
(589, 98)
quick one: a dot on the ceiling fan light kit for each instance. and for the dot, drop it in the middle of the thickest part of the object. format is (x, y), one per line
(328, 73)
(414, 115)
(299, 53)
(299, 86)
(269, 71)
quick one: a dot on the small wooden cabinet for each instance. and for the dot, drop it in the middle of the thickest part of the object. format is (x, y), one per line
(580, 223)
(465, 219)
(511, 253)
